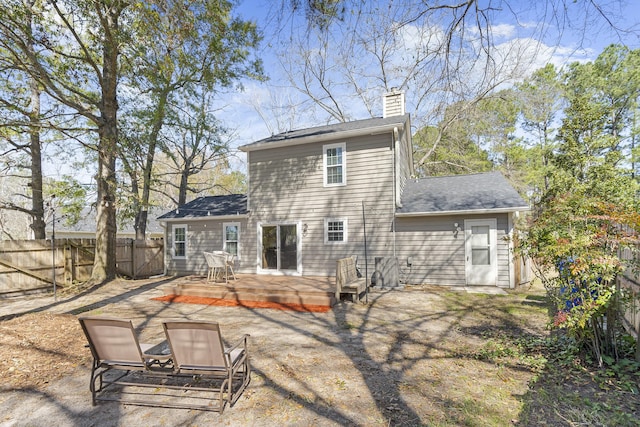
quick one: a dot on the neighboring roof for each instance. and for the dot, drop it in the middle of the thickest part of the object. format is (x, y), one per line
(477, 193)
(328, 132)
(87, 223)
(229, 205)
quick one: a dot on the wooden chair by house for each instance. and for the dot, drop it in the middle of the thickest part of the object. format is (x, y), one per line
(347, 280)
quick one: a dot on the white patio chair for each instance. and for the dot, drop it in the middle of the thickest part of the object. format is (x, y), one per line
(217, 263)
(230, 262)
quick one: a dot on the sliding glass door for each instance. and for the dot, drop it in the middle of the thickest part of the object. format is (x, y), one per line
(280, 247)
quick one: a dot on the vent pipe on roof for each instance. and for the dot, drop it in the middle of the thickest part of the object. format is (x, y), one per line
(393, 103)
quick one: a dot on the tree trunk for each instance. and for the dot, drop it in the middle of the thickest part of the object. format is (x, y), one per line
(184, 182)
(141, 223)
(104, 265)
(158, 122)
(35, 147)
(37, 196)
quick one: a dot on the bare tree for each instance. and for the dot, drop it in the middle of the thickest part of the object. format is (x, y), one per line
(344, 72)
(441, 53)
(193, 141)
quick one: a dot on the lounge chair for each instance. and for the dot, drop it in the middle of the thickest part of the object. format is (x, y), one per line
(114, 346)
(198, 350)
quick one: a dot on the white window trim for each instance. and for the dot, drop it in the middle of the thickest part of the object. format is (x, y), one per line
(173, 240)
(343, 146)
(224, 236)
(345, 233)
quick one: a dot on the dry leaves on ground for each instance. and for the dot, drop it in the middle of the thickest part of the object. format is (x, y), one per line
(38, 348)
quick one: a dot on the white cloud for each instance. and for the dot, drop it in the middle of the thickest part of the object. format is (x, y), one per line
(503, 31)
(523, 56)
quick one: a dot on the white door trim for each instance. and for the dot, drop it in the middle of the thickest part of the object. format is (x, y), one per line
(481, 274)
(277, 271)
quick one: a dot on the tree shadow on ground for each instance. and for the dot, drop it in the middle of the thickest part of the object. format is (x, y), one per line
(367, 364)
(383, 349)
(98, 304)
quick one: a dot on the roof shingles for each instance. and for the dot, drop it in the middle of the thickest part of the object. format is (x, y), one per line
(482, 191)
(329, 130)
(233, 204)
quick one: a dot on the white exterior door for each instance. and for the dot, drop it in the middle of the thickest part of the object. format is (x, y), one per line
(481, 264)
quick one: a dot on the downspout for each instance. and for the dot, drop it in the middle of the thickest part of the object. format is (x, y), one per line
(514, 281)
(395, 204)
(164, 246)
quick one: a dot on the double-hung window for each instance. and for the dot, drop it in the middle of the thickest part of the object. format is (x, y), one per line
(179, 241)
(335, 230)
(334, 164)
(231, 237)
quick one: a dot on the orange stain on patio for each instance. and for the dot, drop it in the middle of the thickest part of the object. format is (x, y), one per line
(219, 302)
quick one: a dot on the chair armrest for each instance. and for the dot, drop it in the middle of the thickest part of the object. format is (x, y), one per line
(242, 342)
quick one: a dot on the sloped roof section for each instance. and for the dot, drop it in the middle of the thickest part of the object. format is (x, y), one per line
(328, 132)
(482, 192)
(233, 204)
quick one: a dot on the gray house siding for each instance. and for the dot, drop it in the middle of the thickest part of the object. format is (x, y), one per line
(404, 160)
(204, 236)
(405, 217)
(437, 252)
(287, 186)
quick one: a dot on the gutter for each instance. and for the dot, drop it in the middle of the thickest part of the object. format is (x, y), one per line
(463, 212)
(329, 136)
(203, 218)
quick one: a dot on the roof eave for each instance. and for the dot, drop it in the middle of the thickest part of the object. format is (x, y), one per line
(204, 217)
(464, 212)
(332, 136)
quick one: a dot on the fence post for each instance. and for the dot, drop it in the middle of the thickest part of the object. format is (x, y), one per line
(636, 320)
(66, 251)
(133, 259)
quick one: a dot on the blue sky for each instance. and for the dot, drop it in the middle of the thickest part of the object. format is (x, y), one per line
(514, 24)
(250, 115)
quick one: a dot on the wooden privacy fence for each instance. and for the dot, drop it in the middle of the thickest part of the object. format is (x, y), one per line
(29, 265)
(631, 283)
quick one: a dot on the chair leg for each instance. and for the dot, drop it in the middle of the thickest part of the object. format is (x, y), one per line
(241, 373)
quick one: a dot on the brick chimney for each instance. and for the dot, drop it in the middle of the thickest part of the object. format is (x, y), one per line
(393, 103)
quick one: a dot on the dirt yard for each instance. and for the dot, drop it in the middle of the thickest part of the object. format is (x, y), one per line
(420, 356)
